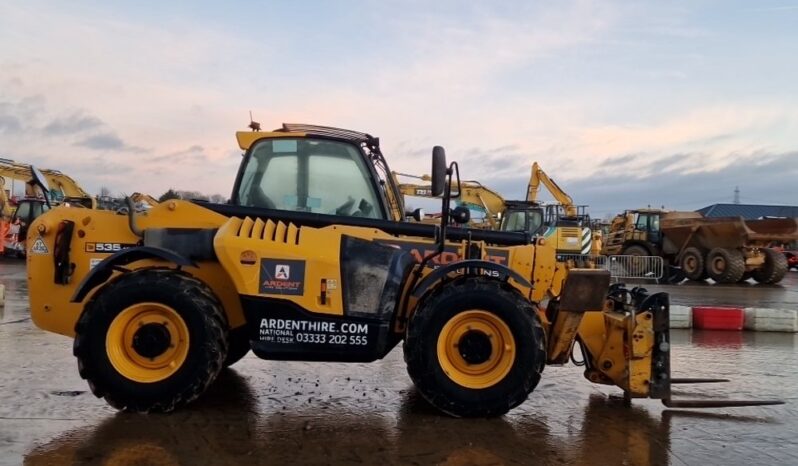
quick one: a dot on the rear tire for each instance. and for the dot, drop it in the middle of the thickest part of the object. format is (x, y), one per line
(151, 341)
(773, 270)
(725, 265)
(475, 348)
(693, 264)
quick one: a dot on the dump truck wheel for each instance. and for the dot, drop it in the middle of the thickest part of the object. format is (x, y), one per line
(725, 265)
(692, 263)
(238, 339)
(635, 250)
(773, 270)
(475, 348)
(152, 341)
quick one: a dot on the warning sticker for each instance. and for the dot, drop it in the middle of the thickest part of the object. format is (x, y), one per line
(39, 247)
(282, 276)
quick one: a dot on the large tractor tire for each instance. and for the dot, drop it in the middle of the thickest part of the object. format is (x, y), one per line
(693, 264)
(773, 270)
(152, 341)
(475, 348)
(725, 265)
(238, 340)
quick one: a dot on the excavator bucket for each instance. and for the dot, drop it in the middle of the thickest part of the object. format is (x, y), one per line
(661, 380)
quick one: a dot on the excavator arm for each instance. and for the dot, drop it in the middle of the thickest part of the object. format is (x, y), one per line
(539, 176)
(144, 199)
(472, 193)
(69, 189)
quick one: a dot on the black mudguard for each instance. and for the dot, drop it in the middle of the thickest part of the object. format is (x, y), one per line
(469, 267)
(102, 271)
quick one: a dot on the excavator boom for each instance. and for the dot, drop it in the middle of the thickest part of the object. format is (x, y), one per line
(539, 176)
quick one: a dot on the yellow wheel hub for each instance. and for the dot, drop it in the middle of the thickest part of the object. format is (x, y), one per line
(147, 342)
(476, 349)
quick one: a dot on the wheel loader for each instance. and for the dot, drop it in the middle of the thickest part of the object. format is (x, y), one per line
(311, 260)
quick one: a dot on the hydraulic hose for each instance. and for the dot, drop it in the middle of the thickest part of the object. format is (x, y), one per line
(131, 218)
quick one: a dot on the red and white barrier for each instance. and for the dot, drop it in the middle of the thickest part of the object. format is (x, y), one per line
(734, 318)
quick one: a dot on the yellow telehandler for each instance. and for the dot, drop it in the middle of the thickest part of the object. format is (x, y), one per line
(311, 260)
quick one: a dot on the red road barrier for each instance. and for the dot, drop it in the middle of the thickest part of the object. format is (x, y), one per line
(718, 317)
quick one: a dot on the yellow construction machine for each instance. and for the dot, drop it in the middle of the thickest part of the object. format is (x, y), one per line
(472, 195)
(569, 222)
(58, 189)
(312, 260)
(564, 223)
(144, 199)
(62, 189)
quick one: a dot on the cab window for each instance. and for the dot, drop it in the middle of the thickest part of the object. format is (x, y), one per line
(514, 221)
(642, 222)
(309, 175)
(23, 211)
(655, 223)
(529, 221)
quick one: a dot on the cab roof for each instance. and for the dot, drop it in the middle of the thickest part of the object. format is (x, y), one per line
(294, 130)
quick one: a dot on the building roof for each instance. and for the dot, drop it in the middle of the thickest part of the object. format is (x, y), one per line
(749, 211)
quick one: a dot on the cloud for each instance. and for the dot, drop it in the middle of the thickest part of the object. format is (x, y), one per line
(19, 114)
(614, 161)
(107, 142)
(74, 123)
(577, 86)
(195, 153)
(610, 192)
(9, 124)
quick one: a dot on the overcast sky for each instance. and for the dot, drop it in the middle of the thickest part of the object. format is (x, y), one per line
(625, 104)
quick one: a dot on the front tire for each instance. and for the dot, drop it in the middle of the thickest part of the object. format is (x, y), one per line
(152, 341)
(475, 348)
(773, 270)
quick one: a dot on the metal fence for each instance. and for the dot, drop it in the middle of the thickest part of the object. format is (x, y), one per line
(620, 267)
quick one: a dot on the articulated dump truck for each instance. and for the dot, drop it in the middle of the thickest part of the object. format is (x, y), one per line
(312, 260)
(726, 249)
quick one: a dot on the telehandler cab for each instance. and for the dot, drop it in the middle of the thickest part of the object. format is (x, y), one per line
(311, 260)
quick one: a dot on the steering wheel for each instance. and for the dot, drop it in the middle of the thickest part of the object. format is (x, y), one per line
(345, 209)
(260, 199)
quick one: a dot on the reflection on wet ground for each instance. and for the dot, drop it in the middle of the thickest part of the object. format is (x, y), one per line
(263, 412)
(783, 295)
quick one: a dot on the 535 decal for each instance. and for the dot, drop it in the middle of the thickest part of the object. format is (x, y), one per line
(107, 248)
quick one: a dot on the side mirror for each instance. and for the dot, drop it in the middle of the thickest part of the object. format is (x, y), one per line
(461, 215)
(417, 214)
(438, 170)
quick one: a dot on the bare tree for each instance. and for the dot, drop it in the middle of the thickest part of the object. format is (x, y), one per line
(105, 191)
(218, 199)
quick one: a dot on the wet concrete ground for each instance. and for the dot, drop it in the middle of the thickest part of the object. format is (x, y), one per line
(262, 412)
(783, 295)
